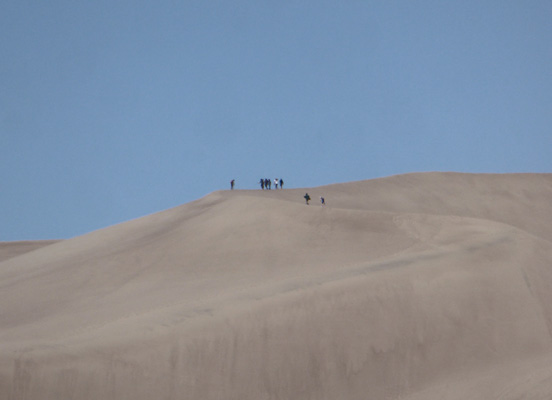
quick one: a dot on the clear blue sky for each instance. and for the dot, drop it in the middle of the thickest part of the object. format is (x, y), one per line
(111, 110)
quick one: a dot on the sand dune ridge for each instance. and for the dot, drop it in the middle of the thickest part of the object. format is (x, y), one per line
(432, 285)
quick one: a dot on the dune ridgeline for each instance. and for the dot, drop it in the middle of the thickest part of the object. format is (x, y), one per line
(421, 286)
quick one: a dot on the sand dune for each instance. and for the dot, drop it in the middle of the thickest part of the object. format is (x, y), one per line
(418, 286)
(13, 249)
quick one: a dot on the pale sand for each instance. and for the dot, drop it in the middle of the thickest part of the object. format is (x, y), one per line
(422, 286)
(13, 249)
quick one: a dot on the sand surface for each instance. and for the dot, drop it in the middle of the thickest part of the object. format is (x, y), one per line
(13, 249)
(421, 286)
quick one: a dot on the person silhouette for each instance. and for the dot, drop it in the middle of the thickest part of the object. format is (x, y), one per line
(232, 184)
(307, 198)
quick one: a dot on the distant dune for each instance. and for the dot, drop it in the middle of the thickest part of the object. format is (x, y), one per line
(13, 249)
(421, 286)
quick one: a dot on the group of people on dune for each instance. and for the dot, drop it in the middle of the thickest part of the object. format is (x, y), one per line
(267, 184)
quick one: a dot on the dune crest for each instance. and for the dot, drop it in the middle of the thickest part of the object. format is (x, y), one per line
(417, 286)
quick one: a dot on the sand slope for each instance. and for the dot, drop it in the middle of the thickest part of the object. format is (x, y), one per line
(13, 249)
(419, 286)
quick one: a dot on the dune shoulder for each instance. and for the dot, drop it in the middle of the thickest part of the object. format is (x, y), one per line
(15, 248)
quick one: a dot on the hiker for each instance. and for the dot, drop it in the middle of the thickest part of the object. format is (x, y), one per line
(262, 182)
(307, 198)
(268, 183)
(322, 201)
(276, 183)
(232, 184)
(281, 183)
